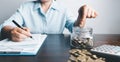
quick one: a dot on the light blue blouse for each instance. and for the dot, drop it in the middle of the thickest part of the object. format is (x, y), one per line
(32, 16)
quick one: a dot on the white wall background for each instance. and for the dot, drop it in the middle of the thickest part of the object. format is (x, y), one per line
(107, 22)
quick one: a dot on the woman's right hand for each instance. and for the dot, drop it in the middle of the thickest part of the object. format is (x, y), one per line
(18, 34)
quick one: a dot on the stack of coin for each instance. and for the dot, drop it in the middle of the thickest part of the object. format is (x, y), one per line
(83, 55)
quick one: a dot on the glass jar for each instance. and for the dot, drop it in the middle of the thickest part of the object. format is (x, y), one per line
(82, 38)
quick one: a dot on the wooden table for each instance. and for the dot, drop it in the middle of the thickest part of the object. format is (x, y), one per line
(56, 49)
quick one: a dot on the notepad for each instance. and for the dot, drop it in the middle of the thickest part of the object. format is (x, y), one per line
(27, 47)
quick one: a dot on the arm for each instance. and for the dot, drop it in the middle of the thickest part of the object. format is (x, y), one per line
(84, 12)
(9, 30)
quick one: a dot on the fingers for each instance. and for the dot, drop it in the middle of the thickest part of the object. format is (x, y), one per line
(17, 37)
(18, 34)
(91, 13)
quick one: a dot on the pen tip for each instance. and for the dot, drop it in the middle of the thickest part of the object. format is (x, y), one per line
(31, 37)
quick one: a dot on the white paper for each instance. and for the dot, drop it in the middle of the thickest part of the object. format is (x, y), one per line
(29, 45)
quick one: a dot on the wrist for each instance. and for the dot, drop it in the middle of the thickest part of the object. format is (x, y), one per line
(6, 32)
(77, 22)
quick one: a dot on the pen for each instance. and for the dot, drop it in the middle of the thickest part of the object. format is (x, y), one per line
(19, 26)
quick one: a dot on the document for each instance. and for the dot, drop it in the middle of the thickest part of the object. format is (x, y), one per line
(27, 47)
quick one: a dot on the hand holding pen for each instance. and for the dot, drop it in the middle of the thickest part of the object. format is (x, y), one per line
(19, 33)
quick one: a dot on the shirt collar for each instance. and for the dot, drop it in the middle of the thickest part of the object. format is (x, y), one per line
(37, 5)
(53, 6)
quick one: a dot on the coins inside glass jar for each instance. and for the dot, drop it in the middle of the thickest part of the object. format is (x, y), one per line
(82, 38)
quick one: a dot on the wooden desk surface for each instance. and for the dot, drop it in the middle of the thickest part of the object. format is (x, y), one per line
(56, 47)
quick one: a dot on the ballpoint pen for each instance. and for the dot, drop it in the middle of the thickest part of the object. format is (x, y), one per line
(19, 26)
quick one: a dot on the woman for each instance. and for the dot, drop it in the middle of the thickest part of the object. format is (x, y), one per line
(43, 16)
